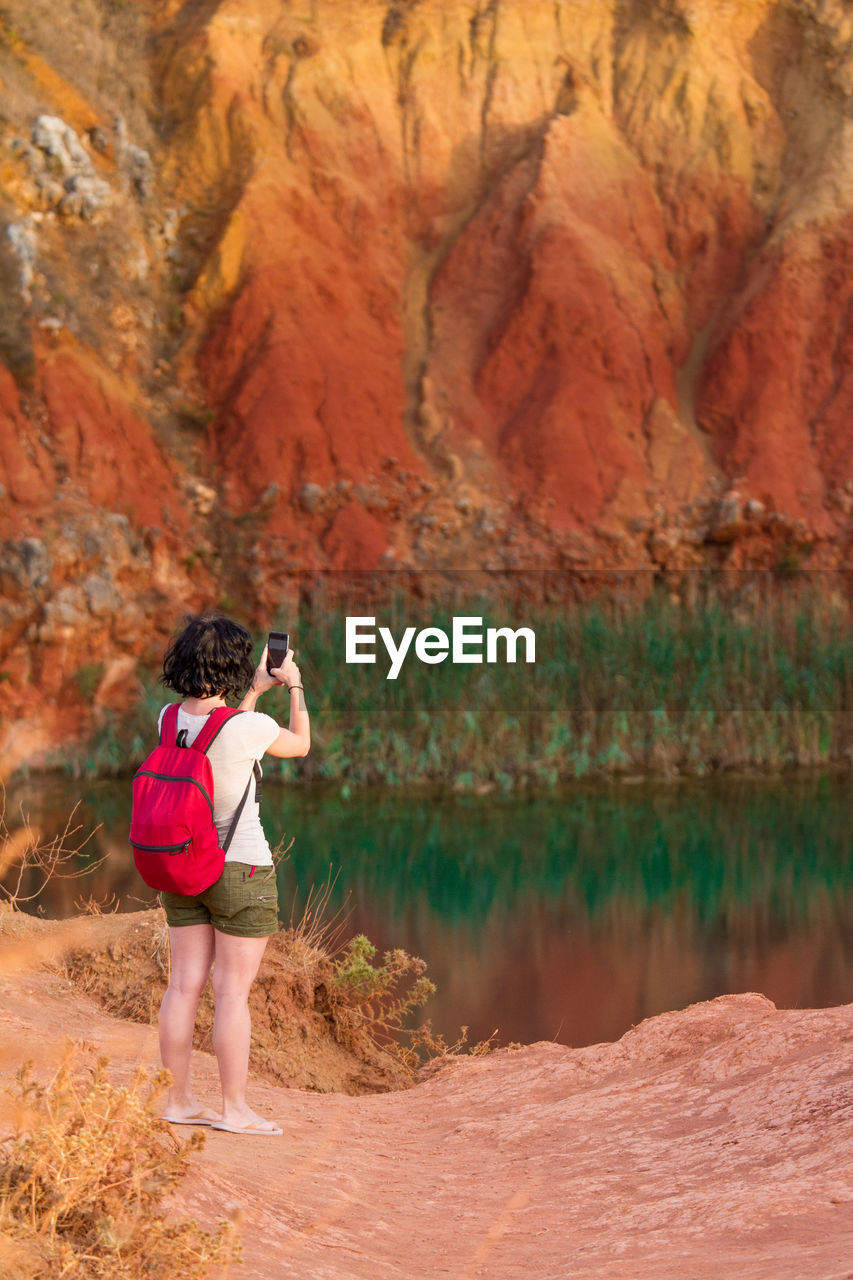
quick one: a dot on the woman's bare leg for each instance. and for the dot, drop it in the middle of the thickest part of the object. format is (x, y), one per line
(235, 967)
(192, 955)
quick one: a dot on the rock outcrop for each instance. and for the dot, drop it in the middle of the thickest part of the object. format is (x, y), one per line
(506, 283)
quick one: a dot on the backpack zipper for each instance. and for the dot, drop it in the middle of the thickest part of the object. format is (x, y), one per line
(162, 848)
(174, 777)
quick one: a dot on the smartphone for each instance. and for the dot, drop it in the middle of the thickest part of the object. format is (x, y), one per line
(277, 647)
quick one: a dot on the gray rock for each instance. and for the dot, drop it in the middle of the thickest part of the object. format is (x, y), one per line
(94, 546)
(369, 497)
(69, 182)
(24, 242)
(26, 562)
(101, 595)
(134, 162)
(59, 141)
(50, 189)
(108, 546)
(66, 609)
(310, 495)
(85, 196)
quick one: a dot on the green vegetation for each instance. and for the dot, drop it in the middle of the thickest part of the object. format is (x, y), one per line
(370, 994)
(619, 688)
(88, 678)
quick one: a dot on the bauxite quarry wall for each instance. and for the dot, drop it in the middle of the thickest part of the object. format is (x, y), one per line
(355, 285)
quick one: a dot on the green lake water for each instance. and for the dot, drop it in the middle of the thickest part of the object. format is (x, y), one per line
(567, 917)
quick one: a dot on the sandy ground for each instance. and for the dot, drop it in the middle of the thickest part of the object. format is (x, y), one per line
(717, 1141)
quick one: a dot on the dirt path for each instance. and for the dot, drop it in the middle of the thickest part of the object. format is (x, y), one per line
(714, 1142)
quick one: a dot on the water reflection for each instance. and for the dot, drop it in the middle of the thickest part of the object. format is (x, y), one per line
(567, 917)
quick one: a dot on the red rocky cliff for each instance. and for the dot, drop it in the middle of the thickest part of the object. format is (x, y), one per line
(423, 283)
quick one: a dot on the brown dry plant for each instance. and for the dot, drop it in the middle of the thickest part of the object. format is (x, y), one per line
(28, 860)
(435, 1045)
(92, 906)
(316, 933)
(83, 1180)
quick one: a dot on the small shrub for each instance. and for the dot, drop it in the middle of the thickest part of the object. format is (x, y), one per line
(790, 562)
(373, 1002)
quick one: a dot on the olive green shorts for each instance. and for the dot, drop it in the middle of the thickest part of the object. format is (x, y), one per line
(239, 903)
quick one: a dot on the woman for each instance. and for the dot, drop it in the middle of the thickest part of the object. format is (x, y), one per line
(227, 926)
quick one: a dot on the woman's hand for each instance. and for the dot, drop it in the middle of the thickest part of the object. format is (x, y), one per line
(262, 680)
(288, 672)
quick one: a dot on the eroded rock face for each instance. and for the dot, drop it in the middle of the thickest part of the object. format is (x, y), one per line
(589, 257)
(500, 284)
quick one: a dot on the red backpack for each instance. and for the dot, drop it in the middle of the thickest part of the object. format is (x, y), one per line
(175, 842)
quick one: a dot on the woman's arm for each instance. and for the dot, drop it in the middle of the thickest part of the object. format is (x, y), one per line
(295, 740)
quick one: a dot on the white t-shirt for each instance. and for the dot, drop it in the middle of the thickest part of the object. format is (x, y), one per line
(240, 742)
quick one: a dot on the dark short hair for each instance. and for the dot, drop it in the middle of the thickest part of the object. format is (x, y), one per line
(210, 654)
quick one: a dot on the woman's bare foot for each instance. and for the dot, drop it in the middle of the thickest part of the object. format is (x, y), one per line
(244, 1120)
(188, 1111)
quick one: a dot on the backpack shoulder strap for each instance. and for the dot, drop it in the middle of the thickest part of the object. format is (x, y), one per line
(216, 721)
(236, 818)
(169, 725)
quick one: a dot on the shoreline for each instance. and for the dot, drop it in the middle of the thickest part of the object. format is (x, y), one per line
(61, 789)
(591, 782)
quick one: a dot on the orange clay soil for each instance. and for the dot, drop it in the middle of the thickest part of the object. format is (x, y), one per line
(302, 1035)
(712, 1142)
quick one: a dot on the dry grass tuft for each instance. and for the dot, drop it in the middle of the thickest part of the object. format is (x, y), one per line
(434, 1046)
(83, 1180)
(315, 933)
